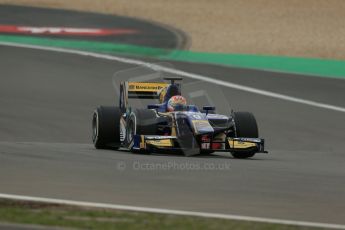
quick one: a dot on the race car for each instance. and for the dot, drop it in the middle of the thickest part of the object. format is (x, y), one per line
(172, 125)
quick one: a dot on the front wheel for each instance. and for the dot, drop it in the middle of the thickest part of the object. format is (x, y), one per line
(106, 127)
(141, 122)
(246, 126)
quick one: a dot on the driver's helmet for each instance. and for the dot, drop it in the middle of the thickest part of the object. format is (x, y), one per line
(177, 103)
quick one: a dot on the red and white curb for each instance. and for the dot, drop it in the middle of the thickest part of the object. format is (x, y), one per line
(64, 31)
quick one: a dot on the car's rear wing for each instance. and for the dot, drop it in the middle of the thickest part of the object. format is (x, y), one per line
(149, 90)
(140, 90)
(145, 90)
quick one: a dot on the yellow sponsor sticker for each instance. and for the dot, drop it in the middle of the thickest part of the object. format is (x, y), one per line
(146, 86)
(240, 144)
(142, 142)
(160, 143)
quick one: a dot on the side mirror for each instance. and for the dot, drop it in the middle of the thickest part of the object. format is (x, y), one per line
(208, 108)
(153, 106)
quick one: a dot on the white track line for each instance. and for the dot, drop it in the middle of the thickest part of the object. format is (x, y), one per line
(171, 211)
(185, 74)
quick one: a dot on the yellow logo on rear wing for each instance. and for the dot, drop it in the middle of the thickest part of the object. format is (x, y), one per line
(140, 90)
(150, 87)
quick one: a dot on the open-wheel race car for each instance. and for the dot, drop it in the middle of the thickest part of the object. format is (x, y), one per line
(172, 125)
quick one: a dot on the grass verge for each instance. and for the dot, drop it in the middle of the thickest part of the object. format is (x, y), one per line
(21, 212)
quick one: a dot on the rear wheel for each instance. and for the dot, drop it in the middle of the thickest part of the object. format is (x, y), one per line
(246, 126)
(106, 127)
(141, 122)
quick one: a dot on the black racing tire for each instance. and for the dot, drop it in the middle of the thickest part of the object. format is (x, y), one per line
(106, 127)
(146, 122)
(141, 122)
(246, 126)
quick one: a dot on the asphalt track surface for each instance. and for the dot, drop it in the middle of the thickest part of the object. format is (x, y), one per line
(47, 100)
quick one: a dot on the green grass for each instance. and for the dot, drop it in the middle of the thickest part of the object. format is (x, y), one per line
(86, 218)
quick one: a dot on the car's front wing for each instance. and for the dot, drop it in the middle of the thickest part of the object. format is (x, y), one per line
(241, 144)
